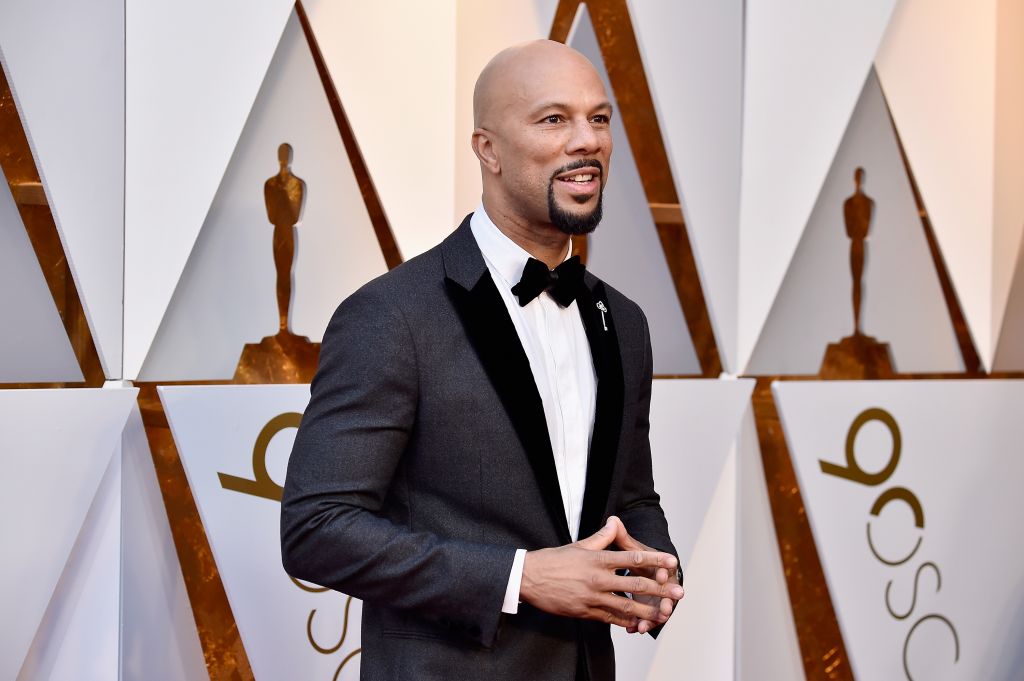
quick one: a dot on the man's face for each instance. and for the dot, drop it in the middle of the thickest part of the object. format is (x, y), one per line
(554, 144)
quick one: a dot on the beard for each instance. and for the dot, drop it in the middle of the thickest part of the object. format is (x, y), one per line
(575, 224)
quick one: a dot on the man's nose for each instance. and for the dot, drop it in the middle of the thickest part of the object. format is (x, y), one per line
(584, 138)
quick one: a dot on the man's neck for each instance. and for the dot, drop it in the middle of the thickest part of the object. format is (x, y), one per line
(544, 242)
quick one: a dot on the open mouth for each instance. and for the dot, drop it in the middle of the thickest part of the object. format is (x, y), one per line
(583, 179)
(579, 178)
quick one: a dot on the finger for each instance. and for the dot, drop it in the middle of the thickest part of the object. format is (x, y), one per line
(601, 539)
(652, 600)
(648, 572)
(627, 541)
(632, 560)
(637, 585)
(627, 607)
(667, 604)
(608, 617)
(623, 539)
(661, 576)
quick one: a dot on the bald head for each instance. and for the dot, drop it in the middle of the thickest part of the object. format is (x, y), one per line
(512, 72)
(543, 138)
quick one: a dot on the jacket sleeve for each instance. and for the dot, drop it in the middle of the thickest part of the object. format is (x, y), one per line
(639, 505)
(350, 442)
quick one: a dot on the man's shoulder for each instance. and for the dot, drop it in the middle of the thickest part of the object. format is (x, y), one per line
(412, 280)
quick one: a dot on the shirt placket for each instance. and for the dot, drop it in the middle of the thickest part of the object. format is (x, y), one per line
(568, 399)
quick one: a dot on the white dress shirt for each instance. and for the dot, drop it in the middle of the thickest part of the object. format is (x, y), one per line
(555, 343)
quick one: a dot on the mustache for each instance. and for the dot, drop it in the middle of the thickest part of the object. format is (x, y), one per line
(576, 165)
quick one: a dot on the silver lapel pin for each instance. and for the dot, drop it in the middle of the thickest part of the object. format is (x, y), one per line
(603, 309)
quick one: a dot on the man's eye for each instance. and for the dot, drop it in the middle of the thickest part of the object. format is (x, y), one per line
(600, 118)
(553, 118)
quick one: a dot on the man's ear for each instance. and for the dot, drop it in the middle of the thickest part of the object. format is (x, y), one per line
(483, 147)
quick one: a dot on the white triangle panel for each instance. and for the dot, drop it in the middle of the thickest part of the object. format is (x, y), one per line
(60, 55)
(1010, 349)
(694, 422)
(693, 56)
(158, 629)
(226, 296)
(34, 347)
(1008, 200)
(912, 521)
(766, 642)
(937, 66)
(697, 643)
(625, 249)
(192, 72)
(402, 110)
(805, 64)
(57, 445)
(214, 428)
(482, 28)
(78, 636)
(903, 304)
(694, 425)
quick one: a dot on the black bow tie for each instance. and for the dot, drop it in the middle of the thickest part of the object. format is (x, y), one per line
(561, 283)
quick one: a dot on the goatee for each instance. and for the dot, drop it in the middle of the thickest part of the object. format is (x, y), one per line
(575, 224)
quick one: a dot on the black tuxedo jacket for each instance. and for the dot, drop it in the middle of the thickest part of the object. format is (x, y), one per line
(423, 462)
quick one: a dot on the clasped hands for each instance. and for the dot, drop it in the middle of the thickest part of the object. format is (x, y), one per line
(580, 580)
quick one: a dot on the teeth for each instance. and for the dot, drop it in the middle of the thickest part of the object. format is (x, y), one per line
(582, 178)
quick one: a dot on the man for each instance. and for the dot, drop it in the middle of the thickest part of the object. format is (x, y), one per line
(475, 412)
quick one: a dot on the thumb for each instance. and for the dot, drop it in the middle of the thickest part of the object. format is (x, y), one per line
(601, 539)
(624, 540)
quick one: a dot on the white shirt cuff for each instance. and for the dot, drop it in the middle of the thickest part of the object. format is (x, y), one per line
(515, 580)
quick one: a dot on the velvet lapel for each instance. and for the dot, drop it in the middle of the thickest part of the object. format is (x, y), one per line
(496, 342)
(604, 442)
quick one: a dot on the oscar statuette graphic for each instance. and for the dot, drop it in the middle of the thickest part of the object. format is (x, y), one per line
(857, 356)
(284, 357)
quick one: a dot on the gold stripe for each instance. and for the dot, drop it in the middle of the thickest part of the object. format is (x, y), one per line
(282, 359)
(385, 237)
(668, 214)
(614, 29)
(223, 651)
(968, 351)
(22, 175)
(29, 193)
(817, 629)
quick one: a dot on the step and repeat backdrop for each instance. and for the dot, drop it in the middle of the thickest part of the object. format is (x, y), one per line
(818, 206)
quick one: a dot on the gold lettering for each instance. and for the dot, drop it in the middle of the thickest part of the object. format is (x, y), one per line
(906, 643)
(913, 599)
(894, 563)
(337, 672)
(262, 485)
(910, 499)
(344, 632)
(852, 471)
(906, 496)
(310, 589)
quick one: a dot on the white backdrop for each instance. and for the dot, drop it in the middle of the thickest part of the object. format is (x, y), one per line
(760, 138)
(903, 303)
(39, 350)
(336, 251)
(913, 492)
(215, 429)
(60, 519)
(695, 426)
(154, 124)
